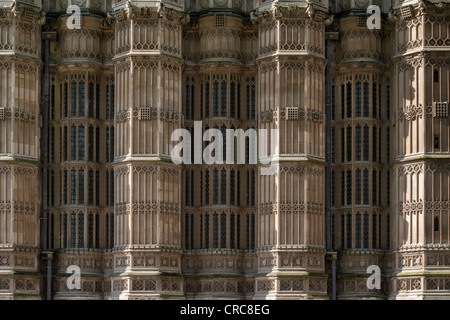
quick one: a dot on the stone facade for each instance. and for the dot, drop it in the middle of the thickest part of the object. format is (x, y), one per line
(141, 227)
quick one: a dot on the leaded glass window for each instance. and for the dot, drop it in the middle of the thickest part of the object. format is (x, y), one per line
(358, 230)
(223, 230)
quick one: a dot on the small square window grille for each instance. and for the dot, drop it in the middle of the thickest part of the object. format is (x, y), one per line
(220, 20)
(406, 12)
(2, 113)
(362, 21)
(292, 113)
(440, 109)
(145, 113)
(28, 15)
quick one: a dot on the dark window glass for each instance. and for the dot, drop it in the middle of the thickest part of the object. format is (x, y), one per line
(358, 100)
(349, 144)
(233, 100)
(358, 144)
(215, 99)
(349, 187)
(90, 187)
(366, 144)
(81, 143)
(358, 187)
(91, 144)
(223, 231)
(349, 100)
(366, 99)
(223, 99)
(215, 231)
(73, 143)
(358, 230)
(90, 230)
(207, 231)
(74, 99)
(366, 187)
(81, 187)
(223, 187)
(375, 104)
(366, 231)
(333, 145)
(81, 99)
(374, 231)
(91, 101)
(232, 231)
(333, 102)
(73, 188)
(388, 102)
(349, 231)
(73, 230)
(216, 186)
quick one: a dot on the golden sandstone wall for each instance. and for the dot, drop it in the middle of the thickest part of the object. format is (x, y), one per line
(141, 227)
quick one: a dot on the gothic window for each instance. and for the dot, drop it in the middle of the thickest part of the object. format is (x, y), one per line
(349, 144)
(374, 188)
(374, 102)
(358, 187)
(216, 186)
(349, 187)
(108, 245)
(186, 231)
(374, 230)
(388, 188)
(366, 100)
(349, 100)
(91, 144)
(223, 187)
(73, 188)
(238, 193)
(81, 93)
(342, 145)
(192, 231)
(73, 145)
(215, 231)
(253, 231)
(358, 99)
(253, 188)
(239, 101)
(223, 130)
(333, 231)
(247, 233)
(192, 188)
(52, 145)
(232, 188)
(358, 143)
(436, 76)
(73, 233)
(333, 145)
(388, 231)
(215, 99)
(97, 144)
(111, 141)
(358, 230)
(81, 187)
(97, 188)
(366, 144)
(66, 99)
(65, 144)
(374, 144)
(333, 102)
(90, 187)
(366, 231)
(65, 187)
(223, 99)
(52, 231)
(207, 99)
(436, 224)
(342, 231)
(207, 187)
(91, 100)
(81, 143)
(366, 187)
(90, 230)
(233, 100)
(201, 101)
(97, 101)
(74, 99)
(107, 189)
(436, 142)
(333, 187)
(248, 189)
(112, 187)
(342, 188)
(97, 231)
(111, 234)
(64, 227)
(379, 145)
(223, 230)
(388, 102)
(342, 101)
(349, 231)
(388, 145)
(52, 190)
(251, 99)
(52, 102)
(107, 145)
(207, 231)
(232, 231)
